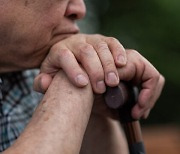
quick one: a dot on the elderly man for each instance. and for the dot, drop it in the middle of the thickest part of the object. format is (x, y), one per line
(44, 34)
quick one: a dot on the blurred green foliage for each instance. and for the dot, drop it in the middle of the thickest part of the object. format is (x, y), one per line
(152, 27)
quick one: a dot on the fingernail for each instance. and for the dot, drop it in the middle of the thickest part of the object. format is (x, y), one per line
(81, 80)
(112, 78)
(121, 60)
(101, 86)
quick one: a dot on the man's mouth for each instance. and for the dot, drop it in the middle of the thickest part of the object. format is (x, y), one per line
(66, 31)
(63, 35)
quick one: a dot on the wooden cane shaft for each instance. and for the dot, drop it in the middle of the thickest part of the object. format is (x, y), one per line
(133, 132)
(117, 98)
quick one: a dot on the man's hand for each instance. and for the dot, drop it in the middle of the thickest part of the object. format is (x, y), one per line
(97, 54)
(143, 74)
(98, 62)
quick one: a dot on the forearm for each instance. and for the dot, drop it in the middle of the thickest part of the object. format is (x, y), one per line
(59, 123)
(103, 135)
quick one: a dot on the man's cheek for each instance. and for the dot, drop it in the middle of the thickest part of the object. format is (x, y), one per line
(6, 30)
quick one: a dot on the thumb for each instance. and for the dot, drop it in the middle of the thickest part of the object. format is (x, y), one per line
(42, 82)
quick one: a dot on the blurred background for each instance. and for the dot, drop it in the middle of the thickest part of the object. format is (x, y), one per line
(152, 27)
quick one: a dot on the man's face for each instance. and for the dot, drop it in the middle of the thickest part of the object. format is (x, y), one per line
(30, 27)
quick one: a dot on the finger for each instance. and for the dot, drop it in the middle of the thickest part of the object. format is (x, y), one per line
(148, 97)
(90, 61)
(137, 112)
(129, 73)
(117, 50)
(150, 83)
(158, 91)
(139, 69)
(145, 98)
(146, 114)
(42, 82)
(155, 96)
(107, 61)
(62, 58)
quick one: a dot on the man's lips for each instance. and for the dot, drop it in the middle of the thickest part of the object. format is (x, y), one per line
(67, 33)
(67, 30)
(62, 35)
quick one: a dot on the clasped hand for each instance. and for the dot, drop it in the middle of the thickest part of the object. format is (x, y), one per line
(102, 61)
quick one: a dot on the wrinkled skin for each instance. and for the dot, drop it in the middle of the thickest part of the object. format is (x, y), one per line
(28, 28)
(31, 30)
(43, 34)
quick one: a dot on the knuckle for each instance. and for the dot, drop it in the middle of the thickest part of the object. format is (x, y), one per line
(57, 51)
(133, 52)
(85, 50)
(145, 106)
(156, 76)
(62, 53)
(112, 39)
(162, 79)
(102, 46)
(121, 49)
(109, 64)
(85, 47)
(98, 35)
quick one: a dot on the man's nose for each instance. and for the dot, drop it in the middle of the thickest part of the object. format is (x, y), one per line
(76, 9)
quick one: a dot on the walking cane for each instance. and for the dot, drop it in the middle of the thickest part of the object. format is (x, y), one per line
(123, 98)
